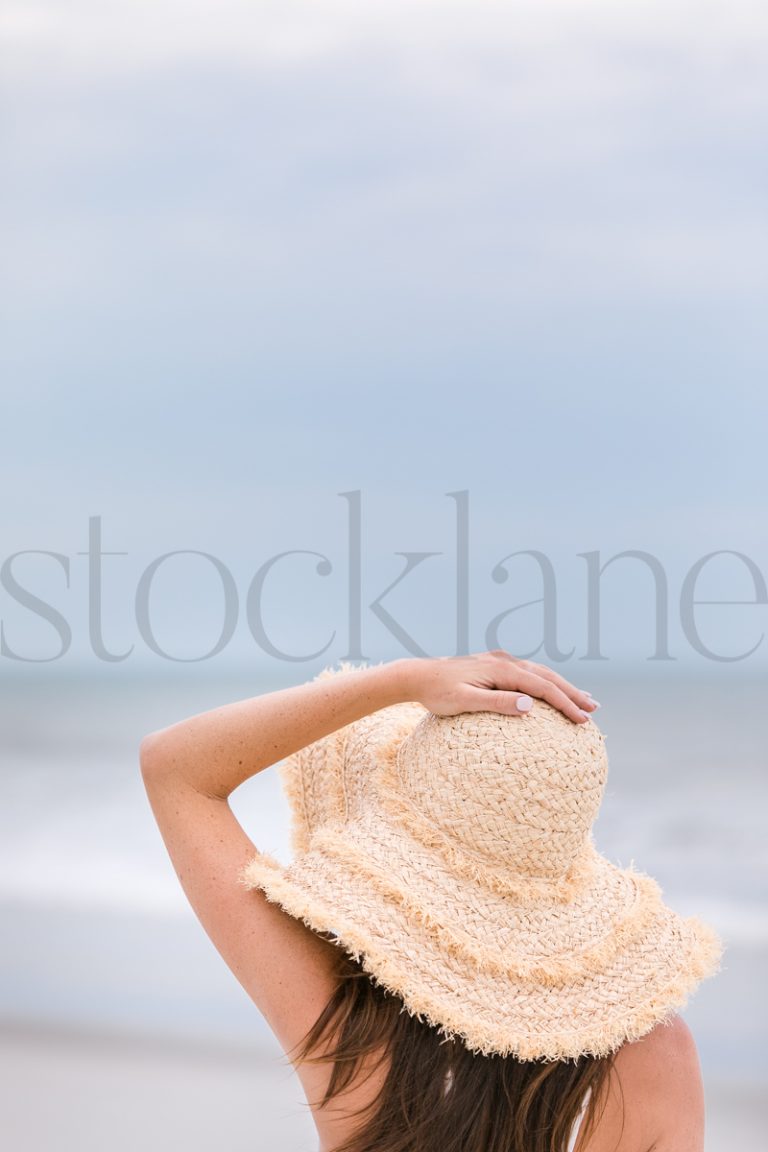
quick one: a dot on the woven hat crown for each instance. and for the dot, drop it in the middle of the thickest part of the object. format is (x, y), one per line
(520, 792)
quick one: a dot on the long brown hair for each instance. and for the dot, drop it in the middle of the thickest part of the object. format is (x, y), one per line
(439, 1096)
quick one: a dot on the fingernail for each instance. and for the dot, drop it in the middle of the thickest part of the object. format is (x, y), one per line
(584, 714)
(596, 703)
(524, 703)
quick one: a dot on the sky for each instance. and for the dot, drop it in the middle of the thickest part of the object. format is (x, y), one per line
(259, 255)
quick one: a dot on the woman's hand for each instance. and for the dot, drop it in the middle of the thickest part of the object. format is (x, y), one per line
(493, 682)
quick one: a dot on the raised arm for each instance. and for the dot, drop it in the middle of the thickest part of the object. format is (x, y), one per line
(216, 751)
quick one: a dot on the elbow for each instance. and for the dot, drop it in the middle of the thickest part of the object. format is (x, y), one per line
(151, 755)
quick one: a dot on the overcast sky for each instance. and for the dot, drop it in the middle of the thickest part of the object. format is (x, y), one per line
(256, 255)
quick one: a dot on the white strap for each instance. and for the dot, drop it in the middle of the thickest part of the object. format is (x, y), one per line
(577, 1123)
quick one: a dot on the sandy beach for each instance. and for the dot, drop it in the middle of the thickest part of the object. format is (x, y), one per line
(64, 1091)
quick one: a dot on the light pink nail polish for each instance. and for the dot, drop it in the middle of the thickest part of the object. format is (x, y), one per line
(524, 703)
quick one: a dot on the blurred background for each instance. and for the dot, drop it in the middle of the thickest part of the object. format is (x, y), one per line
(357, 331)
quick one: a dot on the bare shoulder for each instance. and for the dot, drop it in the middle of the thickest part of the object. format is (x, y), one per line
(668, 1049)
(656, 1096)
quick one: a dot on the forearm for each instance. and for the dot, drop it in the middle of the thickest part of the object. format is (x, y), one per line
(214, 752)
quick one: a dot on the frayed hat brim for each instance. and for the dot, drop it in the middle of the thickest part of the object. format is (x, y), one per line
(594, 1013)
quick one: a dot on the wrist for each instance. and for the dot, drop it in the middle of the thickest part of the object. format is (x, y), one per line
(405, 678)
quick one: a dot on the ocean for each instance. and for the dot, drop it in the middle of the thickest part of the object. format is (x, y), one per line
(97, 934)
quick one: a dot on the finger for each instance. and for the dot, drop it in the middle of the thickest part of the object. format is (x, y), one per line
(492, 700)
(579, 696)
(544, 689)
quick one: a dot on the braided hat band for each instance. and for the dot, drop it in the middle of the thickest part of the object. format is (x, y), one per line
(453, 858)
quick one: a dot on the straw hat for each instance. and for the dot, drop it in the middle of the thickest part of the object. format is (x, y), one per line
(453, 858)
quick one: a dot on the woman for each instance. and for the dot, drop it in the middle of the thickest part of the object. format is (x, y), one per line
(449, 963)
